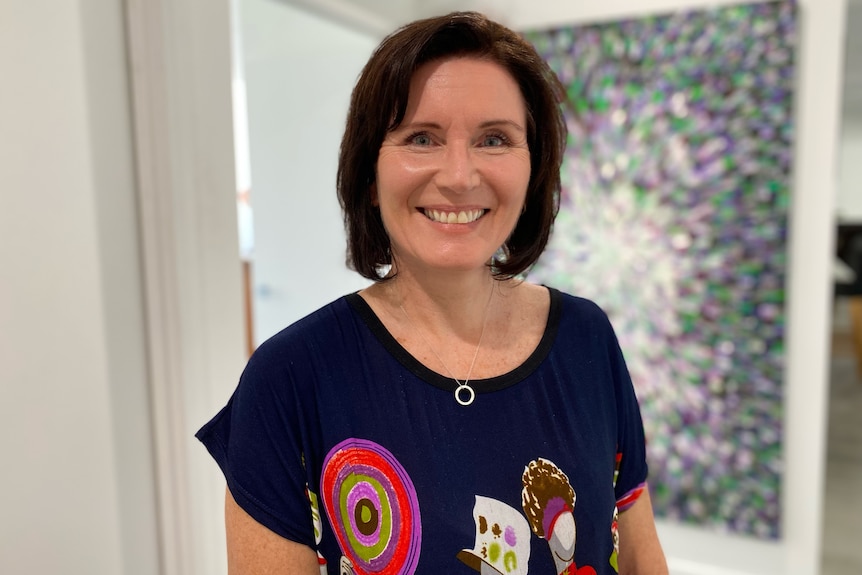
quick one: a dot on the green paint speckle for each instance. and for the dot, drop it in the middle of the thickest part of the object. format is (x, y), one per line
(510, 561)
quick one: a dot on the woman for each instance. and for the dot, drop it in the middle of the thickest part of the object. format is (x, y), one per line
(451, 418)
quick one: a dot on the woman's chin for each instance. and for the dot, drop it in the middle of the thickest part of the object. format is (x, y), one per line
(447, 262)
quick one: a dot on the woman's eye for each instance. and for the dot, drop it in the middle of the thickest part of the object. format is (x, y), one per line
(493, 141)
(420, 139)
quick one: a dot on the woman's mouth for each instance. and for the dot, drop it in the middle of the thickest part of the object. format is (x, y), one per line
(453, 217)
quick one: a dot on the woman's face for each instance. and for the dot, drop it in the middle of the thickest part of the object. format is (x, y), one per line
(452, 178)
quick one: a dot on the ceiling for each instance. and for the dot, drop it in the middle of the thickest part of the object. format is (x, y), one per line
(379, 17)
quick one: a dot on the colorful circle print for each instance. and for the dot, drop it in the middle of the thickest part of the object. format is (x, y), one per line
(372, 506)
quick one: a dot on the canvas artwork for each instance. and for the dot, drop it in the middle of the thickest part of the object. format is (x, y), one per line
(673, 218)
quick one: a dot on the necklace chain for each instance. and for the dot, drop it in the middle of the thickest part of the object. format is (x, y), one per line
(463, 386)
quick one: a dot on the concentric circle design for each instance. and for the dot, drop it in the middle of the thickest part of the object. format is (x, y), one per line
(364, 500)
(372, 506)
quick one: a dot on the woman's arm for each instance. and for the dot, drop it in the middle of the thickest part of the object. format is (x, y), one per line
(640, 550)
(252, 549)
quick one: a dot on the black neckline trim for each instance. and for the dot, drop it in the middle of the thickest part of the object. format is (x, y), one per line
(361, 307)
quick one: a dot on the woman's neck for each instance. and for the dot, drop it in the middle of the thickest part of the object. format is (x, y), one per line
(465, 326)
(444, 303)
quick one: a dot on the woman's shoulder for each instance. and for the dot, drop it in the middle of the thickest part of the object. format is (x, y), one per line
(318, 329)
(568, 303)
(575, 310)
(582, 304)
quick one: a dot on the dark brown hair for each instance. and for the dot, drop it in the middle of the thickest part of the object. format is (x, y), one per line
(378, 105)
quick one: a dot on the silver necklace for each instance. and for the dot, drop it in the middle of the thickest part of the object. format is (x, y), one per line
(463, 386)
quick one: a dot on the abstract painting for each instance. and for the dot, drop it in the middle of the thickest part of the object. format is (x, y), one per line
(673, 218)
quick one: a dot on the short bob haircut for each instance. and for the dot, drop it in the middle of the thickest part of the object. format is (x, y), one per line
(378, 105)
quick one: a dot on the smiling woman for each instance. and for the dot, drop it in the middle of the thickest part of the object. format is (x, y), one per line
(452, 178)
(379, 106)
(361, 438)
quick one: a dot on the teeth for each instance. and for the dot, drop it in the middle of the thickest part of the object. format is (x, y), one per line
(462, 217)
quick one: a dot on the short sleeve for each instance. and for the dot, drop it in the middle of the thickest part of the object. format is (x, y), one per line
(257, 441)
(631, 465)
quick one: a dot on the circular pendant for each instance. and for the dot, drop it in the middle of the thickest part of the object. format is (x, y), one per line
(461, 398)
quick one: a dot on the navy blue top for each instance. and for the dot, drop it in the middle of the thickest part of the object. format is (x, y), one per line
(338, 438)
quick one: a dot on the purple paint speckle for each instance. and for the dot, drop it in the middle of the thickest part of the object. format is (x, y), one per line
(510, 537)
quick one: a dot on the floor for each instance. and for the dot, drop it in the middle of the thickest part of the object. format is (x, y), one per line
(842, 530)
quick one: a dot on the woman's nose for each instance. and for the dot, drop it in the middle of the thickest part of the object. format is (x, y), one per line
(457, 171)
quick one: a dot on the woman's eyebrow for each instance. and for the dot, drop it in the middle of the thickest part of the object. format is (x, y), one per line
(495, 123)
(415, 125)
(486, 124)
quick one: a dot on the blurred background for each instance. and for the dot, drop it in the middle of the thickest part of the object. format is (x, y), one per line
(171, 169)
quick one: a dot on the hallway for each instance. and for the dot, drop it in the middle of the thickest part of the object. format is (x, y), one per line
(842, 512)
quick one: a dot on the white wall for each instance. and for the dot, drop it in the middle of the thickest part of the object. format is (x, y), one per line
(76, 491)
(850, 166)
(850, 170)
(299, 72)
